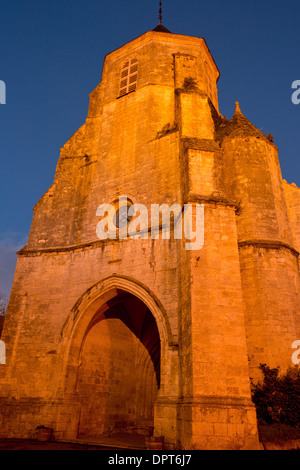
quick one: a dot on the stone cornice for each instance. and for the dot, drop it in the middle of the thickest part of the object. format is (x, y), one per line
(268, 244)
(216, 197)
(163, 37)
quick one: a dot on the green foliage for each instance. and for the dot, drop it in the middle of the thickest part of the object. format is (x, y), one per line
(277, 398)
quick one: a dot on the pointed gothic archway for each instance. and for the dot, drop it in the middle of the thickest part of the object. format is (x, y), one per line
(119, 370)
(112, 359)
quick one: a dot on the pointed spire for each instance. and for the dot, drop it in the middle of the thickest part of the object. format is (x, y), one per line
(160, 13)
(237, 107)
(160, 28)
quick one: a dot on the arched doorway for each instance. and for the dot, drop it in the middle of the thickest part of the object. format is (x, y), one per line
(118, 374)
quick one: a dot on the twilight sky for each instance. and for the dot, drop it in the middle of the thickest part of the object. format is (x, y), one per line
(52, 54)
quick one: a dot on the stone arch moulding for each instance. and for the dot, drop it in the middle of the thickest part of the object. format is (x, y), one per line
(95, 298)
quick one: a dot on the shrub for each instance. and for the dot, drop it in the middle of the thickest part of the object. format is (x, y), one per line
(277, 398)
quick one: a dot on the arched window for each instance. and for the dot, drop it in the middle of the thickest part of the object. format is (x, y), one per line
(121, 218)
(129, 75)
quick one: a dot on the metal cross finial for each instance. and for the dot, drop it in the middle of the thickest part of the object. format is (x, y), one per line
(160, 13)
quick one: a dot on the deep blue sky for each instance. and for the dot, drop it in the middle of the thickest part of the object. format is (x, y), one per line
(52, 54)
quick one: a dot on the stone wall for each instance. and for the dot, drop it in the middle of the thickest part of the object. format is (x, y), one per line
(215, 308)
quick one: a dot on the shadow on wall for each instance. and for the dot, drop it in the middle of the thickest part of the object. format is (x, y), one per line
(2, 318)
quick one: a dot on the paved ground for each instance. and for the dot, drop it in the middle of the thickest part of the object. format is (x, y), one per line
(21, 444)
(116, 443)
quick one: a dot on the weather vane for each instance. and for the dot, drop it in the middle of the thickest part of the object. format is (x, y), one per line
(160, 13)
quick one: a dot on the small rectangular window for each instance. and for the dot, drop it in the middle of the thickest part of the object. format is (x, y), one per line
(129, 77)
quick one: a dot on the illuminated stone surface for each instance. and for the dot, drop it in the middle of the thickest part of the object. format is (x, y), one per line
(142, 336)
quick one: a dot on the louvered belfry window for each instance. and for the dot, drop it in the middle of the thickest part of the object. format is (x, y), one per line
(129, 74)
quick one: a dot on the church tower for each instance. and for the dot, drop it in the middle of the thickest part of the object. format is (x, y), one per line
(140, 335)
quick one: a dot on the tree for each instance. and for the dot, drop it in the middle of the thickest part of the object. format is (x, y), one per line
(277, 399)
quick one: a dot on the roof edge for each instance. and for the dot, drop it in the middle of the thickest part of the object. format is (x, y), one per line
(165, 35)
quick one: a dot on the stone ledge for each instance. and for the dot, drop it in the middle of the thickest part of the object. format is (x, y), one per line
(269, 244)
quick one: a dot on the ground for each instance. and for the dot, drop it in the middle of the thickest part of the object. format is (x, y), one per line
(23, 444)
(120, 442)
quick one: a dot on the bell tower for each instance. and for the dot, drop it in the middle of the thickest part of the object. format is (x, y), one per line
(140, 335)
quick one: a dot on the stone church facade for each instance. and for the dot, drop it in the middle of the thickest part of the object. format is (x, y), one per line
(140, 335)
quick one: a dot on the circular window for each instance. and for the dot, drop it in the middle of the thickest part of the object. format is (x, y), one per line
(121, 217)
